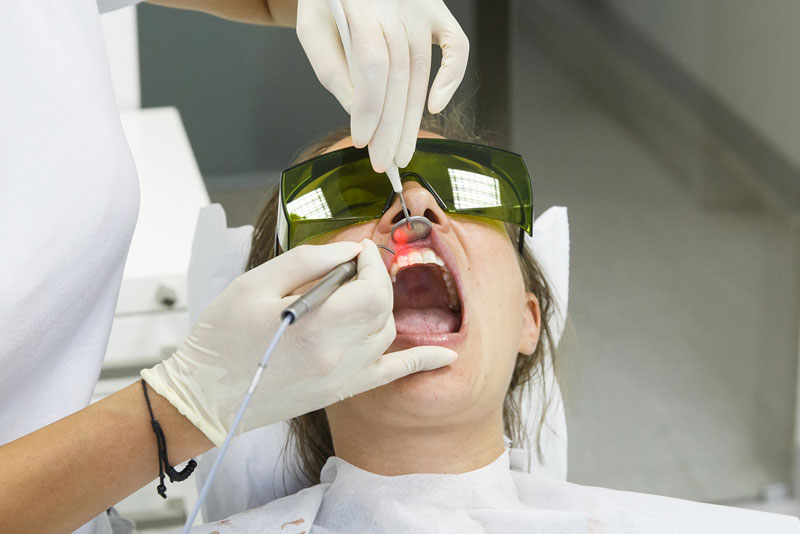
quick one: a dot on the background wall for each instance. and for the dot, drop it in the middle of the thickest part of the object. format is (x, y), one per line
(685, 318)
(682, 381)
(745, 51)
(247, 94)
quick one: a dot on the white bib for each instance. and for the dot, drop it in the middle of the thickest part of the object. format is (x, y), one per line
(490, 500)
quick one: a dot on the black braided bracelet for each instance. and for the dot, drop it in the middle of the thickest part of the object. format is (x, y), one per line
(163, 461)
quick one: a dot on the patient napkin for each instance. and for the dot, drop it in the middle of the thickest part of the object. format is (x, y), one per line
(491, 500)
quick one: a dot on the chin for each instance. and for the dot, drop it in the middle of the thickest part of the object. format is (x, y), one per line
(434, 393)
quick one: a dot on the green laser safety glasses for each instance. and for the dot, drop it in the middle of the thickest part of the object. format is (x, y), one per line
(335, 190)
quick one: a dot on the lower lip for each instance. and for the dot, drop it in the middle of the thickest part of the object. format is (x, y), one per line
(414, 340)
(449, 339)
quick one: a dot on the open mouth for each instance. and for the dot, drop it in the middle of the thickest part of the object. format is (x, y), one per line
(426, 296)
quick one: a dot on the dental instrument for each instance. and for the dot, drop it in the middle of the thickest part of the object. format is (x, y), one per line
(323, 289)
(392, 171)
(420, 228)
(294, 312)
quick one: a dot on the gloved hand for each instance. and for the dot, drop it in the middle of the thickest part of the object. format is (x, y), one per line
(335, 351)
(391, 49)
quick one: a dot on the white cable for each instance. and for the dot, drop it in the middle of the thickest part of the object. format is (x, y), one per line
(239, 414)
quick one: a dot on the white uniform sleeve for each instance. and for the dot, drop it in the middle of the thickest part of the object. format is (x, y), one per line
(68, 206)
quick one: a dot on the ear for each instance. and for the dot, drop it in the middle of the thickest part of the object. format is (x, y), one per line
(531, 323)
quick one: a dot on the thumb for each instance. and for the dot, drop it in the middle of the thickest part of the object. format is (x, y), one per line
(398, 364)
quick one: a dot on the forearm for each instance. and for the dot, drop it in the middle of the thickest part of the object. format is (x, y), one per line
(63, 475)
(264, 12)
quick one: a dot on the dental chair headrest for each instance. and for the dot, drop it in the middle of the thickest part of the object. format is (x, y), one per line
(255, 472)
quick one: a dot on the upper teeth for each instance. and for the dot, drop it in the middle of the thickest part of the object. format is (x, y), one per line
(426, 255)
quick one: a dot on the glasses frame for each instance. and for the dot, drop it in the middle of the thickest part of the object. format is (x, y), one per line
(325, 163)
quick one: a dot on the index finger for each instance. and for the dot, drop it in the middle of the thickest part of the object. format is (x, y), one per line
(372, 269)
(370, 70)
(370, 263)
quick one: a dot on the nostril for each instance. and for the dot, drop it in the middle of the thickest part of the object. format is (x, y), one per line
(398, 217)
(431, 216)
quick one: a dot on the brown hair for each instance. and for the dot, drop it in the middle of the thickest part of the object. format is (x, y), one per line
(310, 433)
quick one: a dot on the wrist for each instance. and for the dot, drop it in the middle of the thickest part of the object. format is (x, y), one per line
(184, 439)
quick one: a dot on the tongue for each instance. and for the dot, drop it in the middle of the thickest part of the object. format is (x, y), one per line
(425, 321)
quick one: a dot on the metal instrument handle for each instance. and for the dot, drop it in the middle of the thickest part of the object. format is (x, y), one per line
(321, 291)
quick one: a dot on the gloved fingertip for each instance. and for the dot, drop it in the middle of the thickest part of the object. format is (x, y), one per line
(435, 105)
(441, 92)
(404, 154)
(379, 167)
(449, 355)
(380, 158)
(358, 133)
(427, 358)
(368, 244)
(438, 357)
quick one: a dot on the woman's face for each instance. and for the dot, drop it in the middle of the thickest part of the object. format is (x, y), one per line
(486, 317)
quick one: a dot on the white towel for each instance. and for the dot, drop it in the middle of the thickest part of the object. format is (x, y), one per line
(489, 500)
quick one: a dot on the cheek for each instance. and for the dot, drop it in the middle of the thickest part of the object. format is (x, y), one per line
(497, 281)
(356, 232)
(498, 301)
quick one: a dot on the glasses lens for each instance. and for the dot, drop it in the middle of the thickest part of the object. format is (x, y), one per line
(339, 189)
(325, 195)
(480, 181)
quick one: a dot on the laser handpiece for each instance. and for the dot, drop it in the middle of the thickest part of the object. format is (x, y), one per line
(323, 289)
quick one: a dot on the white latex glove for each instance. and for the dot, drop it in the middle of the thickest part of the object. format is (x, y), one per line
(335, 351)
(389, 67)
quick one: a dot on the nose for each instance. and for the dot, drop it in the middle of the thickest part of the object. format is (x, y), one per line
(425, 214)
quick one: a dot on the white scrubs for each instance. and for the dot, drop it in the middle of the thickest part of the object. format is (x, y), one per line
(69, 199)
